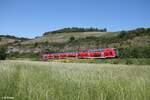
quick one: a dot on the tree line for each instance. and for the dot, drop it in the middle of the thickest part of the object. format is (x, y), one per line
(76, 29)
(13, 37)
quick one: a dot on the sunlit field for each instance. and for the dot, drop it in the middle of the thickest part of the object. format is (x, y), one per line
(33, 80)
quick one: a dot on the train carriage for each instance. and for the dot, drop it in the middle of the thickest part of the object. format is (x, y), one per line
(92, 53)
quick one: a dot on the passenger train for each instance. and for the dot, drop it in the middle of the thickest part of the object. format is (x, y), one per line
(91, 53)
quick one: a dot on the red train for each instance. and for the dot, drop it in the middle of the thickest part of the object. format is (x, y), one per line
(92, 53)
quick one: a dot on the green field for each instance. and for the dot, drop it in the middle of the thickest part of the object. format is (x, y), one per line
(33, 80)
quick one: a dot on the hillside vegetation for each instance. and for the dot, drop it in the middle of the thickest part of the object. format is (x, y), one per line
(64, 37)
(132, 43)
(137, 37)
(86, 38)
(8, 39)
(75, 29)
(28, 80)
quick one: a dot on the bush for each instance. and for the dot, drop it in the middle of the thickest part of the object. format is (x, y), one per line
(17, 55)
(3, 54)
(135, 52)
(129, 61)
(116, 61)
(71, 39)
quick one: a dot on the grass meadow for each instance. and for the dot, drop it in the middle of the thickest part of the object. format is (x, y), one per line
(33, 80)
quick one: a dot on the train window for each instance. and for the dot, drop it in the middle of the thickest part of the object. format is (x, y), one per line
(110, 53)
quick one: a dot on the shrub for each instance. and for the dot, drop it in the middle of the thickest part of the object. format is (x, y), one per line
(128, 61)
(71, 39)
(3, 54)
(115, 62)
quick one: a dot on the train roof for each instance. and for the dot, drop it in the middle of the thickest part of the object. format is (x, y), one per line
(90, 50)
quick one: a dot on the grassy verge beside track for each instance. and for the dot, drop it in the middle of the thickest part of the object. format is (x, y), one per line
(127, 61)
(33, 80)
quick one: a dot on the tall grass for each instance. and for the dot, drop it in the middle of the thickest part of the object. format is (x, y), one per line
(127, 61)
(31, 80)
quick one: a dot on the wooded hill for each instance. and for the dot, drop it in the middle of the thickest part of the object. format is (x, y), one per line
(76, 29)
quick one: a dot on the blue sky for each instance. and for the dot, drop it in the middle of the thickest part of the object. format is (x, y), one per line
(29, 18)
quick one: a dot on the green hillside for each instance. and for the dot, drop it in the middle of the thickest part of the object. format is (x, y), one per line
(64, 37)
(69, 37)
(136, 37)
(71, 41)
